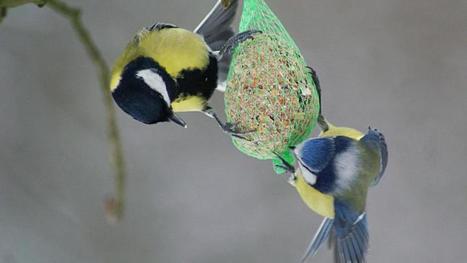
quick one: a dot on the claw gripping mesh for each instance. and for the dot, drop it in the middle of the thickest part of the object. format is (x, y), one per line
(269, 88)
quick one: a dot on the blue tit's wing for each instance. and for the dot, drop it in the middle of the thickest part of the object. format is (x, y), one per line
(375, 140)
(316, 154)
(350, 234)
(321, 235)
(216, 26)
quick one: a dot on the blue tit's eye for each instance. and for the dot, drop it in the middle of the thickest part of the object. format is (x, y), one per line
(155, 82)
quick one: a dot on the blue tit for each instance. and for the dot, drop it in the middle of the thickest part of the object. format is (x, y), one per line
(166, 69)
(320, 203)
(335, 172)
(343, 163)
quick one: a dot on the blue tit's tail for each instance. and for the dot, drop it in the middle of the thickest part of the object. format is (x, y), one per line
(320, 236)
(350, 242)
(375, 139)
(351, 235)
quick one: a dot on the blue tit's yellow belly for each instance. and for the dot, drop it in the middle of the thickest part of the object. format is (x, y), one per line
(318, 202)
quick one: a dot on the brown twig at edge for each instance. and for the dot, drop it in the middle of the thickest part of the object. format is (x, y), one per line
(114, 206)
(3, 11)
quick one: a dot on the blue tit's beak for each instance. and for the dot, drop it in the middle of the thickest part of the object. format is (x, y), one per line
(287, 166)
(293, 149)
(177, 120)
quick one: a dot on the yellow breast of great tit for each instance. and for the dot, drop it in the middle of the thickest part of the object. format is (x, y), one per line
(175, 49)
(189, 103)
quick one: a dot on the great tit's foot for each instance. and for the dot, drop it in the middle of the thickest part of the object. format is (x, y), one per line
(236, 40)
(321, 121)
(323, 124)
(315, 78)
(233, 130)
(230, 128)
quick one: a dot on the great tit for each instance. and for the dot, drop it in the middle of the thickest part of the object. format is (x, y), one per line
(166, 69)
(341, 164)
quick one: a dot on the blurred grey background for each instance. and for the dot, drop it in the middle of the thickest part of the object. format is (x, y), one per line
(397, 65)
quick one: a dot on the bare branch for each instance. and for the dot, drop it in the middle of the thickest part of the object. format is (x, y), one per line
(15, 3)
(3, 11)
(114, 206)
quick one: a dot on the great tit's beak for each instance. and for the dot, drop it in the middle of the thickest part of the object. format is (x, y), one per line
(177, 120)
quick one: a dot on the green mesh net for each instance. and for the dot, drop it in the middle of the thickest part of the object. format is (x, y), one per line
(269, 88)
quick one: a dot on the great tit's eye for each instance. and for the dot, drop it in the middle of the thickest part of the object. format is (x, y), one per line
(155, 82)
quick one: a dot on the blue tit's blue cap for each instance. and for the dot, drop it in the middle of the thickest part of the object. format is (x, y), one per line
(316, 153)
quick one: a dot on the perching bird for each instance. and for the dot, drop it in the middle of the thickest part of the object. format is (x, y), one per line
(166, 69)
(342, 163)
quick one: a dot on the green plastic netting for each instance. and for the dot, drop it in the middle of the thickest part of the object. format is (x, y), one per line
(269, 88)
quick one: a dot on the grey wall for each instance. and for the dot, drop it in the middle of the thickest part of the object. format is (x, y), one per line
(192, 197)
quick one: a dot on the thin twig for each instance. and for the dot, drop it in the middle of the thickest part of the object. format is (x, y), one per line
(15, 3)
(115, 205)
(3, 11)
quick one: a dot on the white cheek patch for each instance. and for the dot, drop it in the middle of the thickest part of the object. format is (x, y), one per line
(155, 82)
(346, 165)
(309, 177)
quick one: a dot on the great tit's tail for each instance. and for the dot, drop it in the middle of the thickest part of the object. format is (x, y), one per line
(350, 236)
(321, 235)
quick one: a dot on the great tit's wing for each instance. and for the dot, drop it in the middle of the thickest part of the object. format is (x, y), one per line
(160, 25)
(375, 140)
(216, 26)
(321, 235)
(350, 234)
(216, 29)
(140, 36)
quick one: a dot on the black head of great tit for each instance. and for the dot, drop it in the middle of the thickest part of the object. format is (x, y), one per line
(166, 69)
(145, 92)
